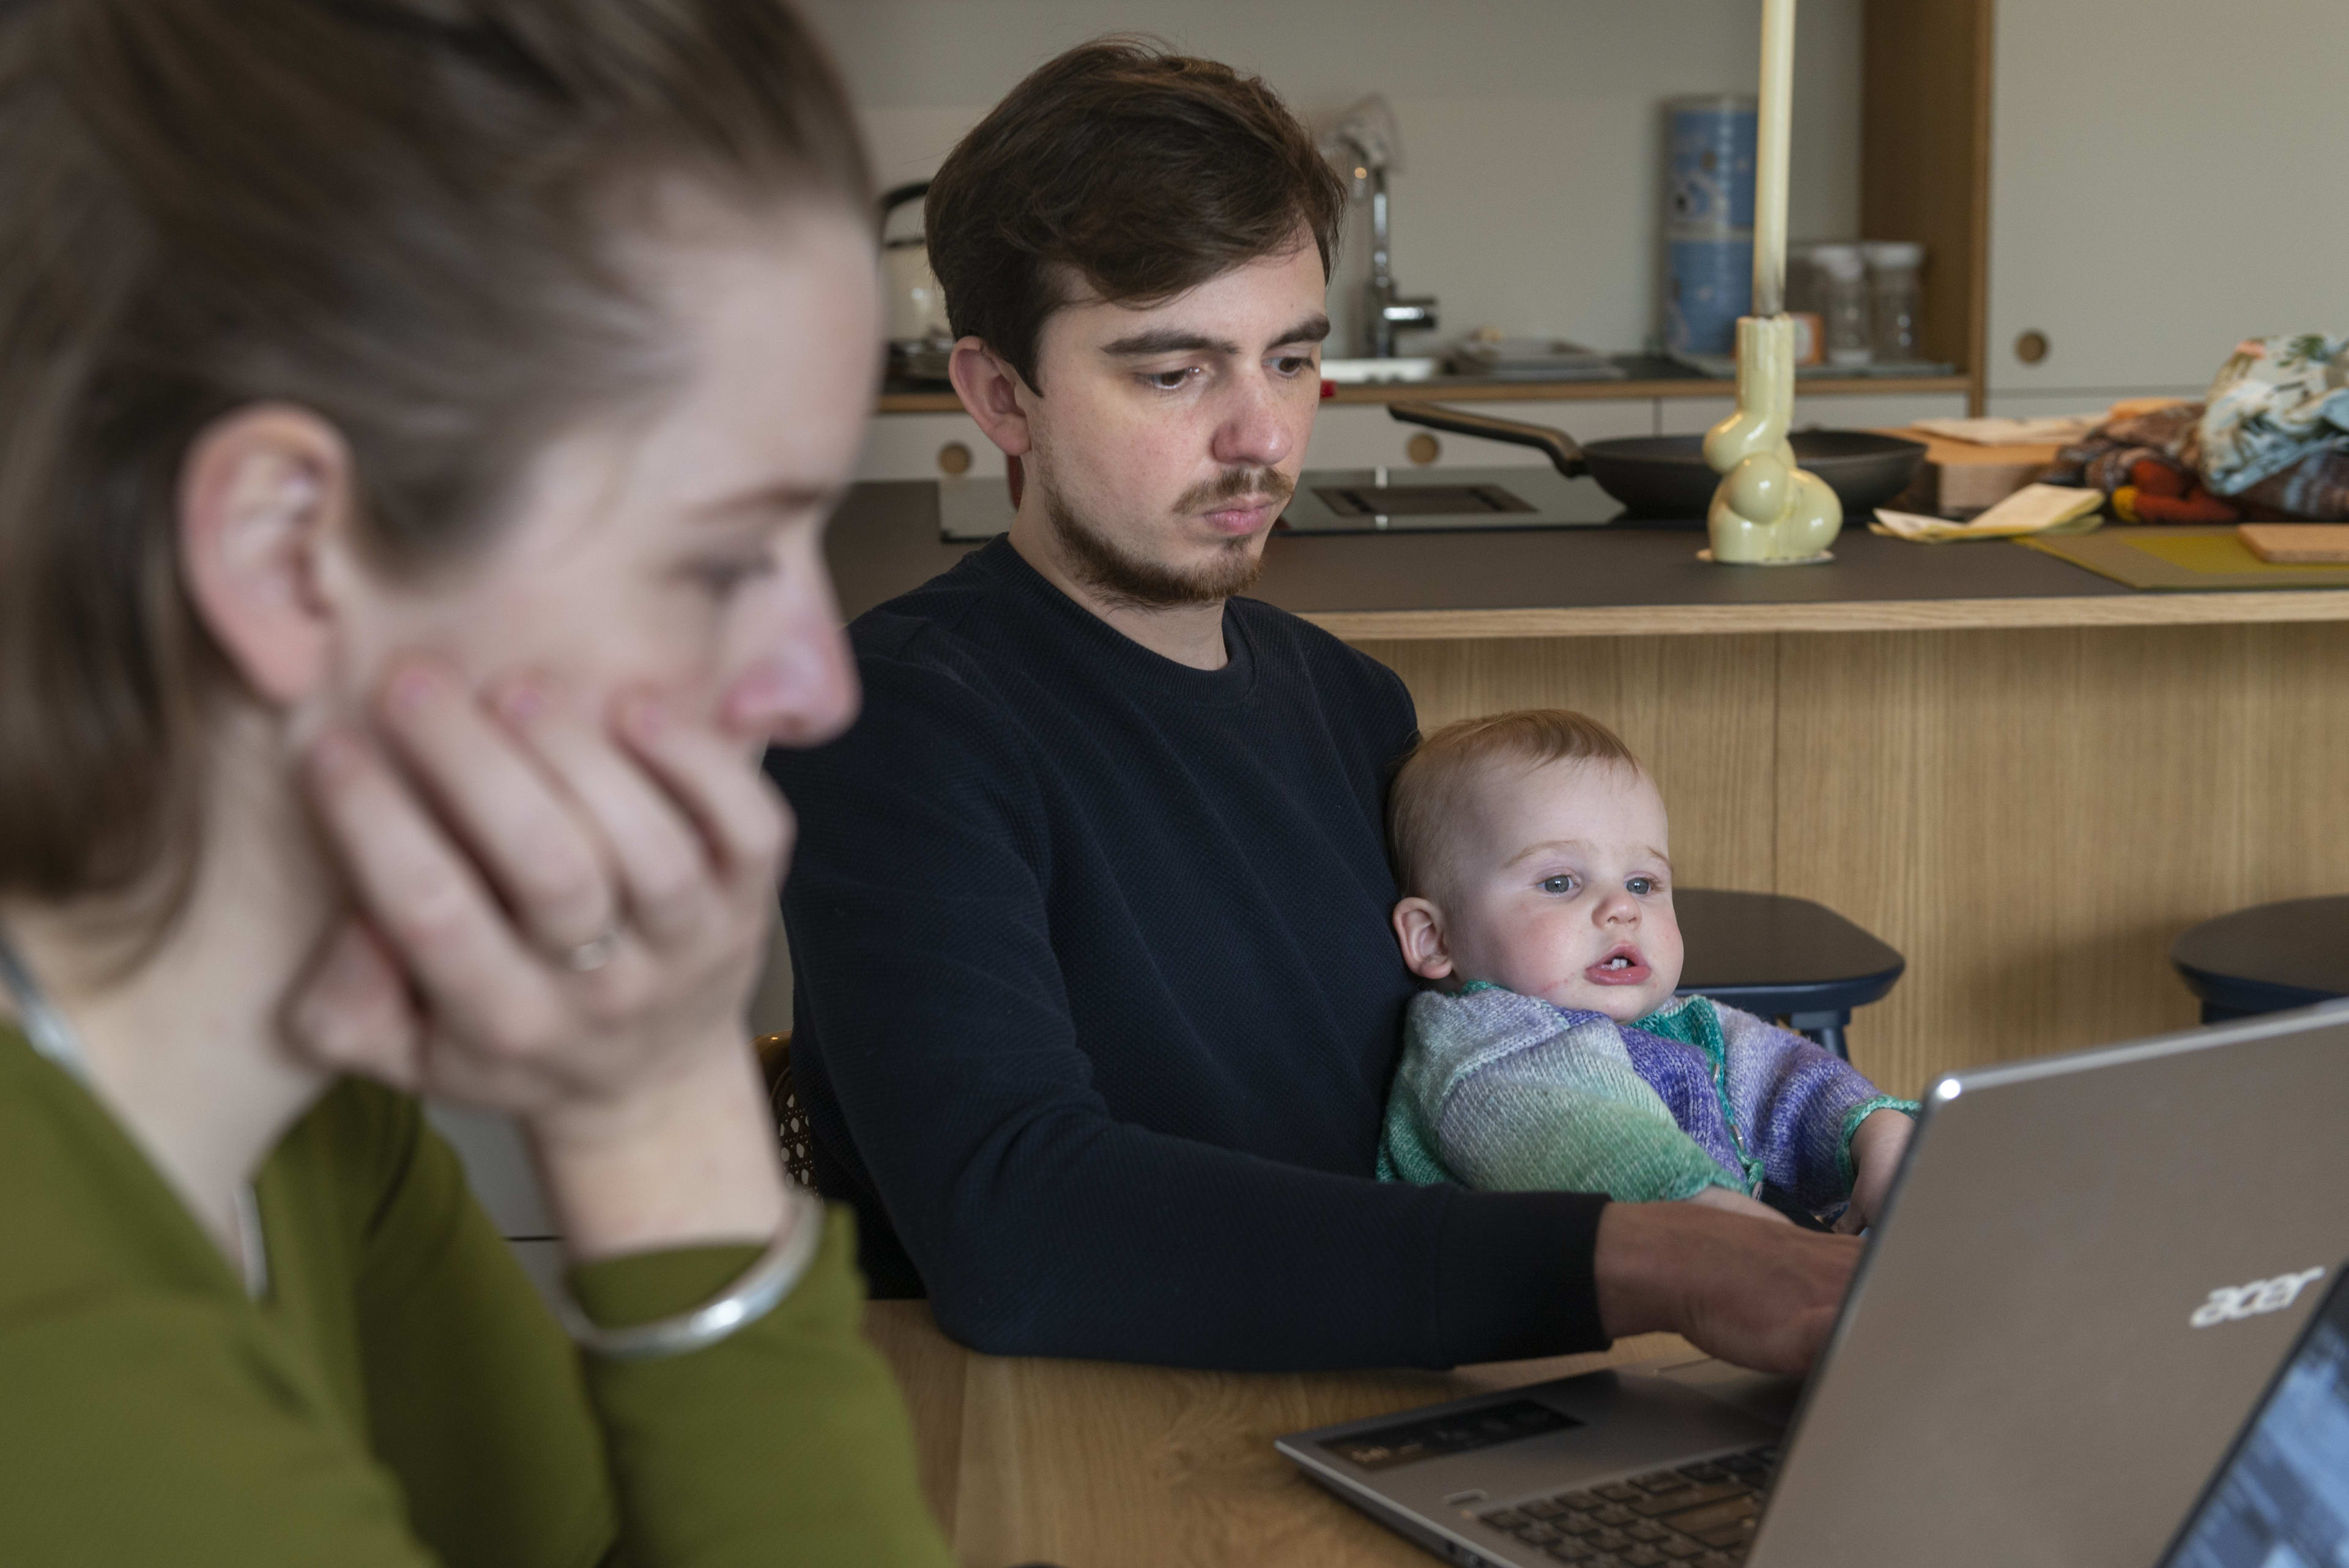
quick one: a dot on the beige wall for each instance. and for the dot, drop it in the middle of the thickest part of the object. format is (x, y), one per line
(2166, 179)
(1531, 127)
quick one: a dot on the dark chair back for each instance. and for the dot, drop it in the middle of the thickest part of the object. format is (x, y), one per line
(790, 1119)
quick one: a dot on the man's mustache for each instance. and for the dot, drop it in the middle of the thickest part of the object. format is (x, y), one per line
(1233, 484)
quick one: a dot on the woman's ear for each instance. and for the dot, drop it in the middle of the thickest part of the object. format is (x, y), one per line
(264, 493)
(1419, 927)
(989, 389)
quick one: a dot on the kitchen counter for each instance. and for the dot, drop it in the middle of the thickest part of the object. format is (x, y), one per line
(1619, 580)
(1644, 375)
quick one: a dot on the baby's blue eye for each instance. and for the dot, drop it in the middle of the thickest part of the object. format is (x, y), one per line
(1642, 886)
(1557, 885)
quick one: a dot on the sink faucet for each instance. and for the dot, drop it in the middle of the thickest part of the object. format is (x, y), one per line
(1367, 138)
(1390, 312)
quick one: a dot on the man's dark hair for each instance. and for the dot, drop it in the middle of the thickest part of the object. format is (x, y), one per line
(1141, 172)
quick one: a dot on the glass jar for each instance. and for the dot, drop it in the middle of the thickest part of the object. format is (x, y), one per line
(1841, 278)
(1892, 267)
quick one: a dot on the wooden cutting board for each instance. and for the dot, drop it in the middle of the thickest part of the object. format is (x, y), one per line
(1959, 478)
(2300, 544)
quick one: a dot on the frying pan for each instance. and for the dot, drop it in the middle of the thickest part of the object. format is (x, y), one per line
(1666, 476)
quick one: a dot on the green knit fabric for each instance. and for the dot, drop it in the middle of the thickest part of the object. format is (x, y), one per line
(1695, 1020)
(1506, 1092)
(401, 1397)
(1861, 1113)
(1521, 1098)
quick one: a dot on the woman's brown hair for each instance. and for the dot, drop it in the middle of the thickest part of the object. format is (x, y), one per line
(400, 214)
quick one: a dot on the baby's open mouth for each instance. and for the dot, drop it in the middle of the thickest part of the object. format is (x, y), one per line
(1623, 966)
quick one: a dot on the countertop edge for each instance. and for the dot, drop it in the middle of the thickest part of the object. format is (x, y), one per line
(1447, 390)
(2224, 608)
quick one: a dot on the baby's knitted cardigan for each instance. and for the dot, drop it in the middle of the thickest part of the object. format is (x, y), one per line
(1506, 1091)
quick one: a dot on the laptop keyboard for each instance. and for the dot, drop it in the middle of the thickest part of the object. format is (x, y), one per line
(1697, 1516)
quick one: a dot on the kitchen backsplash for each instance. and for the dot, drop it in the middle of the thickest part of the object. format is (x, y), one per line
(1532, 129)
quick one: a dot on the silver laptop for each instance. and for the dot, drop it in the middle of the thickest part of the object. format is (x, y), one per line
(2089, 1268)
(2281, 1499)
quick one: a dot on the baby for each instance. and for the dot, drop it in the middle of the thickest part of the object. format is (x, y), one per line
(1531, 849)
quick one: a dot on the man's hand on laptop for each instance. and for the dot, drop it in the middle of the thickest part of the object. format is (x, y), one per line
(1760, 1294)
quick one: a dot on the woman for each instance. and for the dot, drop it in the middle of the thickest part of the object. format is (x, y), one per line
(419, 418)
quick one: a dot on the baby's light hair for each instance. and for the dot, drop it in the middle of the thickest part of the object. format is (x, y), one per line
(1432, 788)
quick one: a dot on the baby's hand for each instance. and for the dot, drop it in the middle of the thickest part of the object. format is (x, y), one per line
(1738, 1203)
(1876, 1150)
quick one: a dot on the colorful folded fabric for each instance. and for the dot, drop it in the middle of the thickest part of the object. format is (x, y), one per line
(2158, 492)
(2169, 437)
(2276, 402)
(2313, 490)
(2156, 465)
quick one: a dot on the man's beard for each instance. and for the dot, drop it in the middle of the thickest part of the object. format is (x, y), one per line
(1132, 581)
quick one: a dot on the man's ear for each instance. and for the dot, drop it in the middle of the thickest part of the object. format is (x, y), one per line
(989, 389)
(264, 493)
(1419, 927)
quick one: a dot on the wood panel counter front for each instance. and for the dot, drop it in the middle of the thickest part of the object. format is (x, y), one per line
(2025, 777)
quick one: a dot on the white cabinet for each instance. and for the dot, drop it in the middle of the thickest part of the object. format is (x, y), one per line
(1362, 435)
(497, 1166)
(918, 446)
(1345, 435)
(2167, 178)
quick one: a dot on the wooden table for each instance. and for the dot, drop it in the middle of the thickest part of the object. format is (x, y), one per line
(1089, 1464)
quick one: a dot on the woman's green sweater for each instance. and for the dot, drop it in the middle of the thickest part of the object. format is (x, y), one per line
(402, 1396)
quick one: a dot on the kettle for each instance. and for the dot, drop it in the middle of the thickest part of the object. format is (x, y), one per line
(919, 336)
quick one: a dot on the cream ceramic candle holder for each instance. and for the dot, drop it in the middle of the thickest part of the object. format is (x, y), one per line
(1768, 512)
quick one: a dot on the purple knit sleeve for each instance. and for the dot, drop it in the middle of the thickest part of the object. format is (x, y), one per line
(1800, 1102)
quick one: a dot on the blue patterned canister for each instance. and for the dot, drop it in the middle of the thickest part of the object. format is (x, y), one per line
(1708, 284)
(1709, 157)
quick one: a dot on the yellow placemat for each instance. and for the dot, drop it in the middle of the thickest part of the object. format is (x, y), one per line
(2183, 559)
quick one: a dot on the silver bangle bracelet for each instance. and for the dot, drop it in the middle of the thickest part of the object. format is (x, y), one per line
(751, 1297)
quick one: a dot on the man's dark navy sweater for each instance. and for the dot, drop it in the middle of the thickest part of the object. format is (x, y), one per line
(1097, 1001)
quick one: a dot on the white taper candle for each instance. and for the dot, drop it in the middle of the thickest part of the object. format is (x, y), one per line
(1770, 138)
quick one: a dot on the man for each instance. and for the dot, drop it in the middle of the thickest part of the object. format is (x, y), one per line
(1096, 1001)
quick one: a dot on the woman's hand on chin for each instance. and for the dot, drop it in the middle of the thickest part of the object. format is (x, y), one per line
(559, 915)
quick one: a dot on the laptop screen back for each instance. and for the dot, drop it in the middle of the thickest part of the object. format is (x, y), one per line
(2090, 1267)
(2281, 1499)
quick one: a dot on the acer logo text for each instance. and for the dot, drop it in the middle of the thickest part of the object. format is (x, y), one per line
(2229, 1302)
